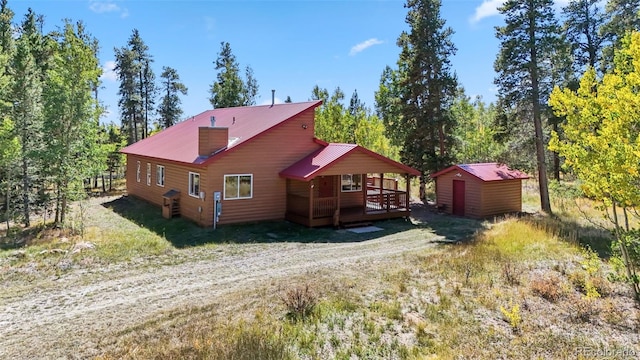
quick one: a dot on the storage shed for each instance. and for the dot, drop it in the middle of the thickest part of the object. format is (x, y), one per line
(479, 190)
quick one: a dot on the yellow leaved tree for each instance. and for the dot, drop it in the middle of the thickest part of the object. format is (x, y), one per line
(601, 145)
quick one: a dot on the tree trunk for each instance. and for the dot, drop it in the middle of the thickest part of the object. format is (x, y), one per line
(135, 128)
(56, 220)
(556, 157)
(545, 204)
(8, 211)
(423, 189)
(110, 179)
(104, 188)
(25, 191)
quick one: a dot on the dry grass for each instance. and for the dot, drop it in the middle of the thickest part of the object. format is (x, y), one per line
(519, 288)
(456, 301)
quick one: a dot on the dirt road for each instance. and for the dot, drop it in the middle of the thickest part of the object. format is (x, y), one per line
(71, 316)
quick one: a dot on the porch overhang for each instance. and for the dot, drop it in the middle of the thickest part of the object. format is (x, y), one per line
(324, 160)
(315, 193)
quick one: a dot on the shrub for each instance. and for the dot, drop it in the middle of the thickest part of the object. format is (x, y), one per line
(300, 301)
(512, 316)
(549, 288)
(585, 309)
(510, 273)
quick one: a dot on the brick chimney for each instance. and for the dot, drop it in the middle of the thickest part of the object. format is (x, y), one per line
(212, 139)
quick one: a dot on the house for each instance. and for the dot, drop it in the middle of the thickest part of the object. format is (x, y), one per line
(479, 190)
(263, 163)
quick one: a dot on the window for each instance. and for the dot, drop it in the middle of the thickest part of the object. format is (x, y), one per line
(351, 182)
(160, 175)
(238, 186)
(148, 174)
(138, 172)
(194, 184)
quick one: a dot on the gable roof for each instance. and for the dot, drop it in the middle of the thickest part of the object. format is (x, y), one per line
(180, 142)
(310, 166)
(486, 171)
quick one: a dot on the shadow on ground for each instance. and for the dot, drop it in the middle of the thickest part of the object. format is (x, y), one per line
(183, 233)
(588, 235)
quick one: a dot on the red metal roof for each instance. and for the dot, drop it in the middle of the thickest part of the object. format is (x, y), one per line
(486, 171)
(180, 142)
(307, 168)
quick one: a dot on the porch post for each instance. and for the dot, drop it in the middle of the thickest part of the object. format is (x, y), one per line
(365, 192)
(337, 186)
(386, 203)
(407, 200)
(311, 202)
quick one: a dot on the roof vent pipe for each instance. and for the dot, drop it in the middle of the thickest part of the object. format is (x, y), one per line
(273, 97)
(213, 121)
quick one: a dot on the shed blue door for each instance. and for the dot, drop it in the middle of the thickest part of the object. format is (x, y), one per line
(458, 197)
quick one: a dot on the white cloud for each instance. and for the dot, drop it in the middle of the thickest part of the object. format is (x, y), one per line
(364, 45)
(487, 9)
(101, 7)
(108, 71)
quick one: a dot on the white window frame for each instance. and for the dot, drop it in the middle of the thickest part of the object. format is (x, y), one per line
(160, 175)
(352, 186)
(148, 174)
(138, 172)
(237, 197)
(192, 176)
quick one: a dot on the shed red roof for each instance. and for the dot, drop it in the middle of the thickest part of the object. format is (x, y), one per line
(486, 171)
(308, 168)
(180, 142)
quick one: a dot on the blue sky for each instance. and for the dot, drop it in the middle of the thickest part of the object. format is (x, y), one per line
(291, 45)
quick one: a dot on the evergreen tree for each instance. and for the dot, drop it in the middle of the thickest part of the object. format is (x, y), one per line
(170, 110)
(137, 87)
(250, 90)
(527, 43)
(583, 20)
(423, 87)
(27, 114)
(6, 28)
(624, 17)
(129, 101)
(230, 89)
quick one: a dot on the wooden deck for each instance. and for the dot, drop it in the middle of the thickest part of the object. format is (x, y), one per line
(379, 205)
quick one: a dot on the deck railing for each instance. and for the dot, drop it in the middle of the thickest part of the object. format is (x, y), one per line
(324, 207)
(373, 182)
(387, 201)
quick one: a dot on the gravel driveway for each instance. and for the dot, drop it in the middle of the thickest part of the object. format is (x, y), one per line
(70, 316)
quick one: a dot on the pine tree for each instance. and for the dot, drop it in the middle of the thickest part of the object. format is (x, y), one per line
(27, 114)
(527, 43)
(624, 17)
(137, 87)
(415, 99)
(583, 20)
(230, 89)
(170, 110)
